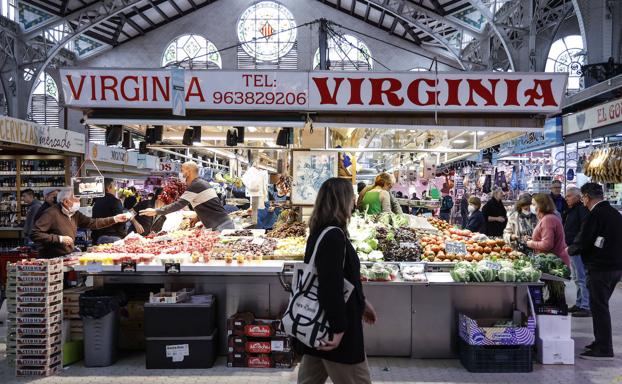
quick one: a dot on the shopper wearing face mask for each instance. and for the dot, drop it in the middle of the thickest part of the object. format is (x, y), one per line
(548, 236)
(55, 231)
(476, 221)
(201, 197)
(521, 222)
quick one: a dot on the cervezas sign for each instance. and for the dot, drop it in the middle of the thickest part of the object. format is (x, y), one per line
(319, 90)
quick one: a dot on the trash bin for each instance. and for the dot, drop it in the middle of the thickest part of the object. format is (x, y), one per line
(99, 311)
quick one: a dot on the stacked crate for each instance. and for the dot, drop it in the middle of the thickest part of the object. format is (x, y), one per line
(11, 335)
(38, 317)
(71, 312)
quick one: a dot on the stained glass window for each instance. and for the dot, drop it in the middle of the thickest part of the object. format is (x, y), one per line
(267, 31)
(191, 51)
(46, 86)
(567, 55)
(346, 52)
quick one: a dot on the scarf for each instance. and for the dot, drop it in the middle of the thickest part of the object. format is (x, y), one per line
(526, 224)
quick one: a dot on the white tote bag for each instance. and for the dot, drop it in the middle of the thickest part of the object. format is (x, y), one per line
(304, 319)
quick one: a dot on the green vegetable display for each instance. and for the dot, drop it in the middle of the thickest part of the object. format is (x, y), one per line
(507, 275)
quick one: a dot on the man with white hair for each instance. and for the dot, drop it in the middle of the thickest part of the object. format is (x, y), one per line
(55, 231)
(573, 218)
(200, 196)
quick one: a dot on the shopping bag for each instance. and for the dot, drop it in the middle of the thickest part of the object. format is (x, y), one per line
(304, 319)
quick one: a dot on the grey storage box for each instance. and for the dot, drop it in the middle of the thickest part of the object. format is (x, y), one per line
(181, 352)
(180, 319)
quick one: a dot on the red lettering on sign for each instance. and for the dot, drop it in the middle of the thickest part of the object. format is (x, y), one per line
(109, 87)
(74, 93)
(144, 88)
(453, 86)
(602, 116)
(355, 91)
(92, 87)
(377, 91)
(194, 83)
(476, 87)
(322, 86)
(541, 90)
(164, 90)
(136, 89)
(512, 91)
(413, 92)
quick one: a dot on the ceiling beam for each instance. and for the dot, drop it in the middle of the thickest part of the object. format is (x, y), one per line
(160, 12)
(485, 11)
(141, 14)
(173, 3)
(133, 24)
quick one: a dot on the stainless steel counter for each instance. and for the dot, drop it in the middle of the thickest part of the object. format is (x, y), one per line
(414, 318)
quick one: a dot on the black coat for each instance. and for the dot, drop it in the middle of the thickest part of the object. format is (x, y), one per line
(606, 222)
(476, 222)
(343, 317)
(108, 206)
(494, 208)
(573, 218)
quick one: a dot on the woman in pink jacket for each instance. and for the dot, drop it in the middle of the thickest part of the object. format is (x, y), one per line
(548, 236)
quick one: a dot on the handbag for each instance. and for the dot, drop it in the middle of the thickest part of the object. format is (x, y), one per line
(304, 318)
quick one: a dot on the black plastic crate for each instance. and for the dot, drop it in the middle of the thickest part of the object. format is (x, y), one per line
(165, 320)
(496, 358)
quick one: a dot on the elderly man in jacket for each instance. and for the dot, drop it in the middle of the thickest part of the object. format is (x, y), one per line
(573, 218)
(599, 244)
(55, 231)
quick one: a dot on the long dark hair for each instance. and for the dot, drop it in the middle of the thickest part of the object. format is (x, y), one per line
(333, 205)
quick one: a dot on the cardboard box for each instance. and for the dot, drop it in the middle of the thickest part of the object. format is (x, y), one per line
(554, 326)
(482, 331)
(555, 351)
(245, 324)
(239, 344)
(253, 360)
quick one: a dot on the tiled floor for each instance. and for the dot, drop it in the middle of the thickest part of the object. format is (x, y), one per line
(384, 370)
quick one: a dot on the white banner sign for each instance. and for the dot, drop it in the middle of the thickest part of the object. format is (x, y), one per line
(30, 133)
(475, 92)
(169, 166)
(598, 116)
(105, 154)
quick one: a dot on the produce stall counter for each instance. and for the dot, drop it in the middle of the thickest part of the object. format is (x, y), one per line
(420, 320)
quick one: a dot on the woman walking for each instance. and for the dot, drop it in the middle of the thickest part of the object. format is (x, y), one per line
(342, 357)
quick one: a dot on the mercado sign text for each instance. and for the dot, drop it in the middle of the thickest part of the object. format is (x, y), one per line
(318, 91)
(29, 133)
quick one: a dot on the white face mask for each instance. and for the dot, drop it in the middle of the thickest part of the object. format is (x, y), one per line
(182, 178)
(472, 208)
(526, 211)
(74, 207)
(533, 209)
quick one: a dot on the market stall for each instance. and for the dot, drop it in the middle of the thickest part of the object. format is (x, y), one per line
(33, 157)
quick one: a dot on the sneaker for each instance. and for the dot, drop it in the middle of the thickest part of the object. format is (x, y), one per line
(590, 346)
(582, 313)
(573, 309)
(596, 355)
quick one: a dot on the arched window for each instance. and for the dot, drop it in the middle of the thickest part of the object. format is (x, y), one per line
(44, 104)
(267, 31)
(346, 53)
(567, 55)
(191, 52)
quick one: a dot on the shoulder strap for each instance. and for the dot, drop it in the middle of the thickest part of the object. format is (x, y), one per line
(317, 243)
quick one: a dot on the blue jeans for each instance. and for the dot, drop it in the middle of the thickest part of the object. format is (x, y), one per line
(578, 276)
(107, 239)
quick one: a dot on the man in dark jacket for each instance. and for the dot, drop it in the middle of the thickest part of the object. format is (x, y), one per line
(56, 229)
(556, 194)
(599, 243)
(572, 219)
(28, 197)
(107, 206)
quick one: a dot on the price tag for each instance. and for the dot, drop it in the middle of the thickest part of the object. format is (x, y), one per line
(94, 267)
(258, 241)
(455, 247)
(172, 268)
(493, 266)
(128, 266)
(408, 244)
